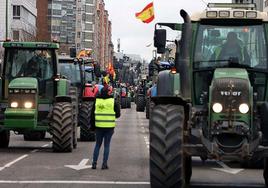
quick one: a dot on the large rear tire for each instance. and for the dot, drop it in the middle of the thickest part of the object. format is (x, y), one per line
(4, 138)
(62, 127)
(87, 121)
(167, 161)
(140, 103)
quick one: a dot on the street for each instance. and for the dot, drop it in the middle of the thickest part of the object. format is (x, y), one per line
(33, 164)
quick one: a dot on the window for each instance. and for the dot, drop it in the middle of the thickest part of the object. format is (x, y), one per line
(78, 34)
(16, 12)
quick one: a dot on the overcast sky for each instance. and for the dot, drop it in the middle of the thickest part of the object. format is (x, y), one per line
(134, 34)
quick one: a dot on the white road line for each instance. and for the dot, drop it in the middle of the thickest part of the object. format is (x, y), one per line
(13, 162)
(74, 182)
(36, 150)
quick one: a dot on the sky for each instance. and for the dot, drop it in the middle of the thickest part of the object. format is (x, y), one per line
(134, 35)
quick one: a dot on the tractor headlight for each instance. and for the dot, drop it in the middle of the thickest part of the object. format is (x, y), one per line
(244, 108)
(217, 107)
(28, 104)
(14, 104)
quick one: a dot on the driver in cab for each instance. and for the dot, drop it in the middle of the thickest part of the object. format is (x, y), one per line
(232, 48)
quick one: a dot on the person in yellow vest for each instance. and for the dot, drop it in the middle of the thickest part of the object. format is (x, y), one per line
(232, 48)
(106, 111)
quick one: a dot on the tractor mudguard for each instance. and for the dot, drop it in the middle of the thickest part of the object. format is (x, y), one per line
(63, 99)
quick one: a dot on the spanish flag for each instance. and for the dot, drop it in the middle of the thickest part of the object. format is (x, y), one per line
(147, 14)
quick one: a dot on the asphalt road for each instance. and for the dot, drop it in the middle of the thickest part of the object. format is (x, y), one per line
(33, 164)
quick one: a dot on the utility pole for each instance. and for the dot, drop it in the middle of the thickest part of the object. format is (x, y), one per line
(6, 19)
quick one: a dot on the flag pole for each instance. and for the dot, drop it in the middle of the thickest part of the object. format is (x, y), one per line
(6, 19)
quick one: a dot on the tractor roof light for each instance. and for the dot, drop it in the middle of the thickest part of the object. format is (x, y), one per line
(224, 14)
(251, 14)
(211, 14)
(239, 14)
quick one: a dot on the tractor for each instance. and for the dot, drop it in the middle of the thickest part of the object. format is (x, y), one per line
(125, 97)
(35, 99)
(215, 104)
(82, 73)
(141, 95)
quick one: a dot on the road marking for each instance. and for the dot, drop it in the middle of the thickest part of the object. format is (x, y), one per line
(81, 166)
(227, 169)
(196, 184)
(13, 162)
(75, 182)
(36, 150)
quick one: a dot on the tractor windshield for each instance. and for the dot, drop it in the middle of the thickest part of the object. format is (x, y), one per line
(89, 74)
(218, 46)
(70, 70)
(22, 62)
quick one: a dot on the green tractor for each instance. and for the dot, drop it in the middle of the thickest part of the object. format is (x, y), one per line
(82, 74)
(35, 99)
(215, 105)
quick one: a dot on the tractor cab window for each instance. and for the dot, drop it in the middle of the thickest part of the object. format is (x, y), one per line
(29, 63)
(36, 63)
(70, 70)
(220, 46)
(89, 74)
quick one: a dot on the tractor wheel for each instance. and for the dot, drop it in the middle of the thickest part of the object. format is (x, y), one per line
(123, 102)
(34, 135)
(74, 96)
(167, 161)
(86, 121)
(4, 138)
(62, 127)
(140, 103)
(265, 171)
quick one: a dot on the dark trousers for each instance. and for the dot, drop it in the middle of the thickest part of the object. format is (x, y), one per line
(106, 135)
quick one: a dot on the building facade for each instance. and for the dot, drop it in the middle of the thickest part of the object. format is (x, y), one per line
(21, 20)
(57, 21)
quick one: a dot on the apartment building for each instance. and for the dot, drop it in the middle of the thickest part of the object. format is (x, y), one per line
(57, 21)
(21, 20)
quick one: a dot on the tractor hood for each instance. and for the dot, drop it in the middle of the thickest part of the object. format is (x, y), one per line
(23, 83)
(230, 73)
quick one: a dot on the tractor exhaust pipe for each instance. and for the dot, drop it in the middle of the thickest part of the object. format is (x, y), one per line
(183, 55)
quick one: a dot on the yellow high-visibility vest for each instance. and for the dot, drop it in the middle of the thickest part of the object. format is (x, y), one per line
(104, 113)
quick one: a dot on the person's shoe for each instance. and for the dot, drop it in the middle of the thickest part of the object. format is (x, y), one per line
(104, 167)
(94, 165)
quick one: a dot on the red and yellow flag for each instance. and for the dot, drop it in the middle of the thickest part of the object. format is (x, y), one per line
(147, 14)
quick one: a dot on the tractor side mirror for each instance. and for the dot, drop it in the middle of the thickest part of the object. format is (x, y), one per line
(160, 36)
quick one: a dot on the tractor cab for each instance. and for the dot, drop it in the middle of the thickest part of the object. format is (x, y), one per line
(216, 100)
(32, 64)
(70, 70)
